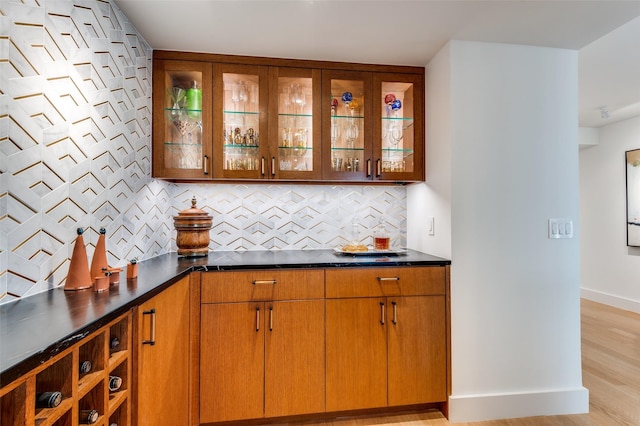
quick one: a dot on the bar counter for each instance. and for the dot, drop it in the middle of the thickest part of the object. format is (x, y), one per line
(36, 328)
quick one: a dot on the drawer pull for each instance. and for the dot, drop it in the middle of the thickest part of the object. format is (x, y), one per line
(152, 340)
(272, 282)
(257, 319)
(395, 313)
(382, 313)
(388, 278)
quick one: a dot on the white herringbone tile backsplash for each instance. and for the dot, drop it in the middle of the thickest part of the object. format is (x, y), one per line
(75, 151)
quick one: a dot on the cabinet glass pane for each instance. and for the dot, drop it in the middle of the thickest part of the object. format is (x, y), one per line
(183, 113)
(396, 101)
(347, 125)
(295, 124)
(241, 122)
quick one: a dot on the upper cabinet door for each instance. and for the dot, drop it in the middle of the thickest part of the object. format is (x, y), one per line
(399, 127)
(240, 122)
(294, 127)
(346, 125)
(182, 111)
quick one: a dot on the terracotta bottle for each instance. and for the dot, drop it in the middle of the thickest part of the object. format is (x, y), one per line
(78, 277)
(99, 261)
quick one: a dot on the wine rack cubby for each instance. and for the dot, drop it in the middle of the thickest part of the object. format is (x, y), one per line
(81, 375)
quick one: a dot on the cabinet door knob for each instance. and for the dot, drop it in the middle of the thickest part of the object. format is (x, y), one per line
(382, 313)
(257, 319)
(395, 313)
(205, 164)
(273, 166)
(378, 167)
(262, 166)
(369, 167)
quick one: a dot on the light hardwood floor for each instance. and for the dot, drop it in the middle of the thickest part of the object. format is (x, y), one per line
(610, 370)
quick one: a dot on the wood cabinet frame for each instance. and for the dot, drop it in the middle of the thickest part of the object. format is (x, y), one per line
(322, 172)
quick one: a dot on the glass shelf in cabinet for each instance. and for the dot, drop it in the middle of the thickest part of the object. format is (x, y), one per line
(347, 149)
(344, 117)
(240, 146)
(406, 121)
(183, 114)
(403, 150)
(296, 148)
(241, 112)
(294, 115)
(181, 144)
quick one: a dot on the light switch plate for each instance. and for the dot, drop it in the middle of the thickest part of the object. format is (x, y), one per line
(431, 223)
(560, 228)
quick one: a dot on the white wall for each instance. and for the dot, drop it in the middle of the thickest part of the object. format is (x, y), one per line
(433, 197)
(513, 165)
(608, 268)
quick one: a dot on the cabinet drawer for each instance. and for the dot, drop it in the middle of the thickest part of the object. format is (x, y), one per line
(377, 282)
(219, 287)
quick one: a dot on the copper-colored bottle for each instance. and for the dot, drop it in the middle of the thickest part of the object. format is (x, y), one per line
(99, 261)
(78, 277)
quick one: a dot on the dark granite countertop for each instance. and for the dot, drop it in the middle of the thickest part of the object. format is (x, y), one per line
(36, 328)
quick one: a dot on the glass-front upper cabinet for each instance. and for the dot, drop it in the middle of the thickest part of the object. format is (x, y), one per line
(295, 129)
(346, 109)
(182, 111)
(398, 127)
(240, 123)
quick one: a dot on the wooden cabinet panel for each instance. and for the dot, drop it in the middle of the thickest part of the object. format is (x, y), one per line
(163, 367)
(356, 344)
(221, 287)
(294, 377)
(232, 361)
(417, 350)
(377, 282)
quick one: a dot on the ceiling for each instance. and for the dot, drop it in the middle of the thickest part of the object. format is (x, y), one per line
(399, 32)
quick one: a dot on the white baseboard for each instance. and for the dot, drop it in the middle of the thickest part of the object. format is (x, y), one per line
(611, 300)
(475, 408)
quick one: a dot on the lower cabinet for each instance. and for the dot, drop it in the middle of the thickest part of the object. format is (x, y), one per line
(389, 349)
(262, 358)
(161, 340)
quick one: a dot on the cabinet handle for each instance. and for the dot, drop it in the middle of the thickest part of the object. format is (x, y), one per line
(271, 319)
(369, 167)
(262, 166)
(378, 167)
(395, 313)
(273, 166)
(205, 164)
(151, 341)
(388, 278)
(257, 282)
(257, 319)
(382, 313)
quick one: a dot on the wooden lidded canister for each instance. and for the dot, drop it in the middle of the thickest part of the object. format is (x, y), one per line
(193, 227)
